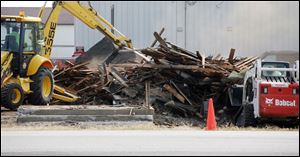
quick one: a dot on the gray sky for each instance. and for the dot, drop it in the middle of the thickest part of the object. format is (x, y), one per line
(24, 3)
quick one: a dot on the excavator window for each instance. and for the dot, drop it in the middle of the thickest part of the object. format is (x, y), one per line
(12, 32)
(29, 38)
(33, 38)
(10, 36)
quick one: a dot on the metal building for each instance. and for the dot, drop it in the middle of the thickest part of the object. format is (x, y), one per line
(210, 27)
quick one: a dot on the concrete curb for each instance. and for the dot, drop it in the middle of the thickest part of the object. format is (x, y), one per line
(82, 114)
(81, 118)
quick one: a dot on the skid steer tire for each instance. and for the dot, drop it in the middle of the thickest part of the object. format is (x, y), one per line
(41, 87)
(246, 118)
(12, 96)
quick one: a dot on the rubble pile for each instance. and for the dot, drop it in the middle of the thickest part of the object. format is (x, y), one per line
(171, 79)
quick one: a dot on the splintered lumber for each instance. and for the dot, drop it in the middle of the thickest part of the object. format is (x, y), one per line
(184, 55)
(245, 64)
(147, 94)
(217, 57)
(243, 61)
(160, 39)
(78, 78)
(181, 80)
(70, 63)
(231, 55)
(182, 109)
(184, 51)
(194, 68)
(139, 54)
(186, 98)
(158, 66)
(200, 57)
(71, 68)
(118, 76)
(160, 33)
(174, 93)
(154, 53)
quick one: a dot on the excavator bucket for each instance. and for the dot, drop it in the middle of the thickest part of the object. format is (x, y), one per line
(61, 94)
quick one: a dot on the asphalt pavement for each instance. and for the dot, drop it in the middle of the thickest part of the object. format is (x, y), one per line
(160, 142)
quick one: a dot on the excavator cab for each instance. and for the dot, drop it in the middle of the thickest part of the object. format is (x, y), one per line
(23, 38)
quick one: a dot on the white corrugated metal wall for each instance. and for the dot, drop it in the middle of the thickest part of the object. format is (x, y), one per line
(211, 27)
(64, 41)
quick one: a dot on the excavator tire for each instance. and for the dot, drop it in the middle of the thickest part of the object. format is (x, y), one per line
(246, 117)
(12, 96)
(42, 87)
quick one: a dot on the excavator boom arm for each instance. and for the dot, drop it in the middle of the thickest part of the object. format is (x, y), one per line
(88, 16)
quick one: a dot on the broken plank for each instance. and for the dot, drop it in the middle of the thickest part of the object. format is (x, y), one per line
(160, 33)
(185, 55)
(217, 57)
(247, 62)
(231, 55)
(178, 89)
(158, 66)
(160, 39)
(139, 54)
(71, 68)
(182, 50)
(118, 76)
(243, 61)
(147, 94)
(153, 53)
(174, 93)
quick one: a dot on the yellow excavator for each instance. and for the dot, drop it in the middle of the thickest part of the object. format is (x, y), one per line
(26, 46)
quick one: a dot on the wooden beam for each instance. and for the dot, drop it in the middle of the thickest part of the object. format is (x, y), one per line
(160, 39)
(71, 68)
(158, 66)
(178, 89)
(247, 62)
(153, 53)
(118, 76)
(182, 50)
(243, 61)
(231, 55)
(147, 94)
(174, 93)
(160, 33)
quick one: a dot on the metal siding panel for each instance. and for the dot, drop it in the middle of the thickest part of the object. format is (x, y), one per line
(250, 27)
(62, 52)
(64, 35)
(256, 27)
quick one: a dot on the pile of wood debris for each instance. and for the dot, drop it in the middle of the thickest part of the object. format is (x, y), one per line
(79, 80)
(171, 79)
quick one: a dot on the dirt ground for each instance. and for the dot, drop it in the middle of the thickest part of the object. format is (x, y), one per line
(9, 122)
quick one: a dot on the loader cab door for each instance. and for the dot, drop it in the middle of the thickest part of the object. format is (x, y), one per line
(32, 44)
(33, 38)
(11, 42)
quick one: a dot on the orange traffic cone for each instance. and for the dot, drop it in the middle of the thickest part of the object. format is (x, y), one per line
(211, 123)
